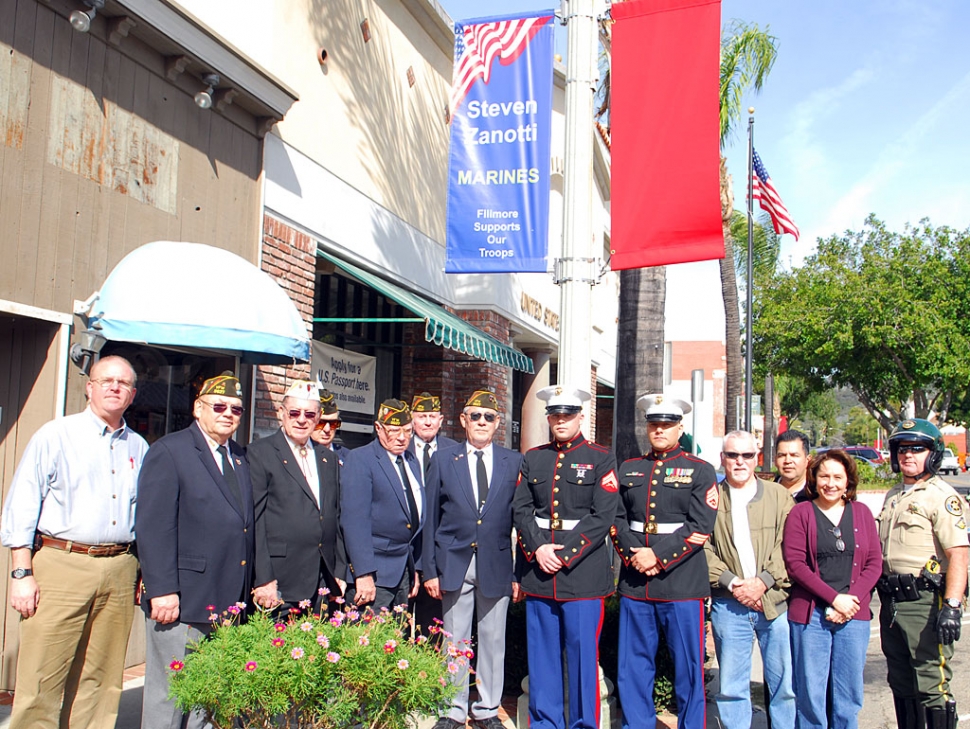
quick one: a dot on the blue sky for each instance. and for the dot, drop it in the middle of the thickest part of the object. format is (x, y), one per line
(867, 110)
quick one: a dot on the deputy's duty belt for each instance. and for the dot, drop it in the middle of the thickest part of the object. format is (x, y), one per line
(92, 550)
(653, 527)
(904, 587)
(557, 525)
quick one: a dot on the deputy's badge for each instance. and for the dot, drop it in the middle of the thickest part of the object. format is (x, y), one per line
(962, 524)
(914, 509)
(609, 482)
(954, 506)
(711, 497)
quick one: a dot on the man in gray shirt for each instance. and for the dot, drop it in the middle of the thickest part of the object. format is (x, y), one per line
(69, 521)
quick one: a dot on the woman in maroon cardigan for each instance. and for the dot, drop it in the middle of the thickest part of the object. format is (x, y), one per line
(833, 556)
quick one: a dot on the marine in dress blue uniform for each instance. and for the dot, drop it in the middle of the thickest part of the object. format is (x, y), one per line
(668, 505)
(563, 509)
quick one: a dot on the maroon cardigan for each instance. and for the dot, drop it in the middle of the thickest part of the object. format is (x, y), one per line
(799, 548)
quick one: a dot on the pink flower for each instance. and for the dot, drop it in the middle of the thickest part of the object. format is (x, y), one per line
(234, 609)
(323, 592)
(306, 627)
(422, 639)
(296, 654)
(251, 666)
(339, 600)
(210, 608)
(241, 605)
(176, 665)
(323, 640)
(452, 667)
(469, 654)
(333, 657)
(213, 617)
(363, 640)
(352, 615)
(400, 608)
(402, 664)
(390, 646)
(280, 627)
(422, 674)
(304, 604)
(441, 680)
(279, 642)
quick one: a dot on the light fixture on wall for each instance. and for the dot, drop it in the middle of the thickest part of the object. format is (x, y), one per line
(203, 99)
(81, 19)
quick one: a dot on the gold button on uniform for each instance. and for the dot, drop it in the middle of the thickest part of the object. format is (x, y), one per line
(243, 563)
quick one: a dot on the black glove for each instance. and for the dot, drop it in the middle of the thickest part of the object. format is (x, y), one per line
(948, 624)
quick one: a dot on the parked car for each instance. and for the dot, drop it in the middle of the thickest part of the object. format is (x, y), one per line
(867, 452)
(950, 463)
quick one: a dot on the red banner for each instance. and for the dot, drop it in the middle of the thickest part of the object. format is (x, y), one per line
(665, 198)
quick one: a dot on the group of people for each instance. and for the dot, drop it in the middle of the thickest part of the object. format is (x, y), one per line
(295, 517)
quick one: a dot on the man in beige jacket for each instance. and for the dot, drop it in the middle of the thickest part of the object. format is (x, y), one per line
(749, 587)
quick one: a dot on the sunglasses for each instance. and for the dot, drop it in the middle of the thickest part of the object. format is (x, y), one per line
(324, 424)
(733, 456)
(839, 544)
(221, 407)
(489, 417)
(911, 449)
(308, 414)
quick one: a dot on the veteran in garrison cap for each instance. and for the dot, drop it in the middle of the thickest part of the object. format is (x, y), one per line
(194, 526)
(668, 505)
(328, 424)
(427, 420)
(296, 492)
(563, 508)
(382, 511)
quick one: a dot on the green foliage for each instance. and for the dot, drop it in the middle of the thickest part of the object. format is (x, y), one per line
(311, 671)
(747, 55)
(885, 314)
(765, 244)
(861, 427)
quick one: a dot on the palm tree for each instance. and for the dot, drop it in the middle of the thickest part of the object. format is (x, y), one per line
(747, 55)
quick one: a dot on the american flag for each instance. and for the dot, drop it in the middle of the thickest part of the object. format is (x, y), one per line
(770, 201)
(477, 45)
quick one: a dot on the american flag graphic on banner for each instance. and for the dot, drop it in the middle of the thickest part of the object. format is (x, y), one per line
(478, 44)
(764, 192)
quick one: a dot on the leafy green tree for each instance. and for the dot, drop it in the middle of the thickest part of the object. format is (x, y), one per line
(885, 314)
(861, 428)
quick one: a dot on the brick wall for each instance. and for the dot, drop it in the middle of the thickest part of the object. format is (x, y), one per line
(289, 256)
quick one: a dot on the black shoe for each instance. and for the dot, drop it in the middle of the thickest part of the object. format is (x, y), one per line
(447, 722)
(942, 717)
(492, 722)
(909, 713)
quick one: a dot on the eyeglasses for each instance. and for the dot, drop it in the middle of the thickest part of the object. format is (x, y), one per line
(903, 449)
(308, 414)
(323, 424)
(839, 544)
(395, 431)
(221, 407)
(732, 456)
(489, 417)
(107, 383)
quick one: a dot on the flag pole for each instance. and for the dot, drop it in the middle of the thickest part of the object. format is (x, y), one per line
(748, 377)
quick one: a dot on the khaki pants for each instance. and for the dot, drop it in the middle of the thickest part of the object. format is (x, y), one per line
(72, 651)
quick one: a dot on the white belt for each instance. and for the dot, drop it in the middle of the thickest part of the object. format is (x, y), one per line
(559, 525)
(655, 528)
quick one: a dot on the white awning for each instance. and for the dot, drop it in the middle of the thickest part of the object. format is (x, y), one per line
(193, 295)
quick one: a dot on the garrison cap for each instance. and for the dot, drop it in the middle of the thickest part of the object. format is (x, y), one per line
(483, 399)
(426, 403)
(328, 403)
(394, 412)
(226, 384)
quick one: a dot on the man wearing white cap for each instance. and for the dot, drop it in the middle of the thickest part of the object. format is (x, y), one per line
(563, 509)
(296, 491)
(668, 506)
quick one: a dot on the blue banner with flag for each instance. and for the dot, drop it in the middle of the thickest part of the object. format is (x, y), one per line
(499, 168)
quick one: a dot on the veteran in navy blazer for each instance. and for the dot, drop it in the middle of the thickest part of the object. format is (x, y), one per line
(468, 552)
(194, 530)
(382, 512)
(296, 494)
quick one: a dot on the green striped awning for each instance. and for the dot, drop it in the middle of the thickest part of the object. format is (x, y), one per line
(441, 326)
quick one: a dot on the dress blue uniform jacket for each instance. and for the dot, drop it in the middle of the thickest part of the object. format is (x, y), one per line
(374, 515)
(568, 481)
(194, 538)
(455, 528)
(666, 488)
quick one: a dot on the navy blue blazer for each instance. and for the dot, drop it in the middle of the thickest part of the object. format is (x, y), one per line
(455, 529)
(194, 538)
(374, 515)
(442, 442)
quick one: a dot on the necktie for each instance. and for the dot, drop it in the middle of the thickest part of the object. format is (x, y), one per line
(412, 504)
(482, 479)
(427, 457)
(229, 474)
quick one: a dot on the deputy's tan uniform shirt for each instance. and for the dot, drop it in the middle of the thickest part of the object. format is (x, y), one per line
(921, 523)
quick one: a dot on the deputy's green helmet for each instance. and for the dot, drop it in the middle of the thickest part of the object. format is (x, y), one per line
(917, 430)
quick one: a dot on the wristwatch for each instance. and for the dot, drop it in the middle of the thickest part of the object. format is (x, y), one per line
(20, 573)
(954, 602)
